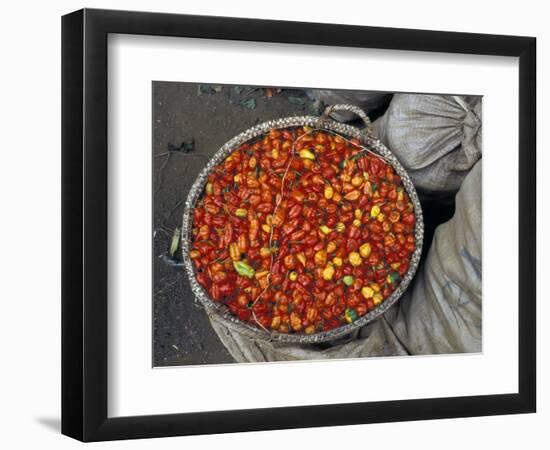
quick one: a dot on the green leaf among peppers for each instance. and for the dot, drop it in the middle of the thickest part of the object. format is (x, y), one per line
(243, 269)
(348, 280)
(393, 277)
(350, 315)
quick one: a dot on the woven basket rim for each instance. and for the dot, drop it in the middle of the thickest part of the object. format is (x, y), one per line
(249, 330)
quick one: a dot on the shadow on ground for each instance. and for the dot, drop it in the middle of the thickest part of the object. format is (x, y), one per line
(52, 423)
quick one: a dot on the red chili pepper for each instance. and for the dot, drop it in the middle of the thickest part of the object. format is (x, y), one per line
(295, 211)
(290, 226)
(408, 218)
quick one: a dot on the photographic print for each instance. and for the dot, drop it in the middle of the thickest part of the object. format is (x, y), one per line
(313, 225)
(306, 224)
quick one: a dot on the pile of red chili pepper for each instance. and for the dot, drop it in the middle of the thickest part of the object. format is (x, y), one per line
(302, 231)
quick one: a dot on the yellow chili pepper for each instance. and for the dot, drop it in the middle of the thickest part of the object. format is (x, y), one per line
(276, 322)
(295, 321)
(355, 259)
(241, 212)
(321, 257)
(292, 276)
(340, 227)
(234, 252)
(328, 273)
(325, 230)
(329, 192)
(365, 250)
(367, 292)
(331, 247)
(375, 210)
(337, 261)
(306, 154)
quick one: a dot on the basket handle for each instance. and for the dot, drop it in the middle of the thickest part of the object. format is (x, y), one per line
(350, 108)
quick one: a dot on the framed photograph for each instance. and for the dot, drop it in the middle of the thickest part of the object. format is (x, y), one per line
(273, 224)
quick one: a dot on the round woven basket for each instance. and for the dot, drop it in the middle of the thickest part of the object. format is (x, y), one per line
(324, 122)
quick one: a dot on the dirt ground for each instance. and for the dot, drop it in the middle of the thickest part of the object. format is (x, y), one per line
(190, 123)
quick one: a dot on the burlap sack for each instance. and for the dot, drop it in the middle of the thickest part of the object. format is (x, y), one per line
(437, 138)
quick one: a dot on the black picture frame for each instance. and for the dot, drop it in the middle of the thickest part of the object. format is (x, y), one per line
(84, 224)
